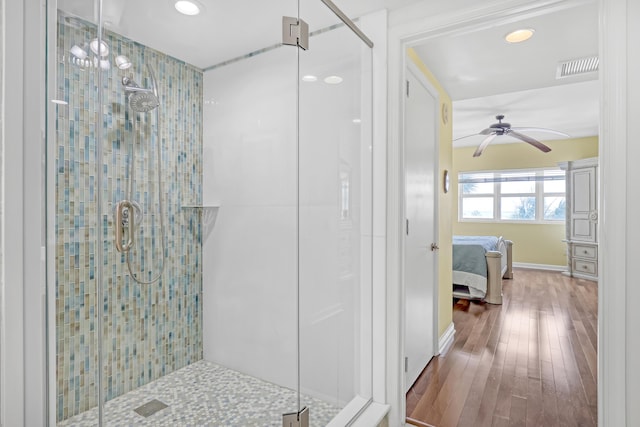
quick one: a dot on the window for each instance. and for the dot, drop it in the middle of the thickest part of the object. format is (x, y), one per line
(533, 195)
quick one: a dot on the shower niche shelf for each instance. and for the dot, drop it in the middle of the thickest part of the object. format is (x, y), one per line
(208, 214)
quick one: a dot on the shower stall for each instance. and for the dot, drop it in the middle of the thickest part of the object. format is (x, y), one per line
(209, 213)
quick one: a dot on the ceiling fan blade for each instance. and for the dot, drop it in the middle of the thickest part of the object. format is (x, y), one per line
(484, 144)
(487, 131)
(466, 136)
(556, 132)
(539, 145)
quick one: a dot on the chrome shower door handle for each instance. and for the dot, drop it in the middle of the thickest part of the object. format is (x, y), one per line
(124, 226)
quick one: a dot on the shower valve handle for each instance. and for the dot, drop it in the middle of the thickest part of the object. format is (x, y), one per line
(124, 226)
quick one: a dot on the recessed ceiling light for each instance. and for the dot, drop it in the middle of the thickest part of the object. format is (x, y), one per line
(59, 102)
(187, 7)
(357, 121)
(309, 78)
(520, 35)
(333, 80)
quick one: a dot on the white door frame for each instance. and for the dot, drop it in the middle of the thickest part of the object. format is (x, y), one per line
(410, 67)
(418, 25)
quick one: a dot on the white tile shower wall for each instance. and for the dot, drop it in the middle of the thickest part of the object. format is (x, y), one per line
(249, 267)
(149, 330)
(250, 258)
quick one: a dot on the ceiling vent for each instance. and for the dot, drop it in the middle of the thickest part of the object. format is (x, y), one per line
(577, 66)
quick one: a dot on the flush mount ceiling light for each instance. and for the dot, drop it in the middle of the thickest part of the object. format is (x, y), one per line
(187, 7)
(309, 78)
(520, 35)
(333, 80)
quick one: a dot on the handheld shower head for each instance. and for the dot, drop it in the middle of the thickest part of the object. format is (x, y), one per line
(141, 99)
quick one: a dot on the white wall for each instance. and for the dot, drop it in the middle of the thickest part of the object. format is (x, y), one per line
(633, 200)
(619, 341)
(249, 259)
(2, 36)
(12, 227)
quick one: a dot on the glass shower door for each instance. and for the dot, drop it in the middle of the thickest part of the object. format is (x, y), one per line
(172, 160)
(250, 257)
(335, 219)
(72, 221)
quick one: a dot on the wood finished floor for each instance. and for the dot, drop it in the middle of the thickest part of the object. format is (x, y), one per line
(529, 362)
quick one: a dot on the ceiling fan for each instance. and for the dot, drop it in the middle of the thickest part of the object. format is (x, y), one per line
(500, 128)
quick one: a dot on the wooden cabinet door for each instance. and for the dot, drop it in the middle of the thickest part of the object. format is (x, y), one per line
(584, 204)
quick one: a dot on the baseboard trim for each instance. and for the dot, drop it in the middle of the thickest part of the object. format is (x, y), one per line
(549, 267)
(417, 423)
(446, 339)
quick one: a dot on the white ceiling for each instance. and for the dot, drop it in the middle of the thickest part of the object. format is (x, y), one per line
(484, 75)
(224, 30)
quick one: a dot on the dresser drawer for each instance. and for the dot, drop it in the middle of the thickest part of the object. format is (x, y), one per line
(585, 267)
(585, 251)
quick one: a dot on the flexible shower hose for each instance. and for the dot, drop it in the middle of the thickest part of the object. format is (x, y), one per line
(160, 204)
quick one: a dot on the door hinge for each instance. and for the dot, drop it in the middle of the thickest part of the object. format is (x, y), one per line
(406, 364)
(407, 225)
(295, 32)
(296, 419)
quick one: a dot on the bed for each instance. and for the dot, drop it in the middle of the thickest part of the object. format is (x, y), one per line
(479, 265)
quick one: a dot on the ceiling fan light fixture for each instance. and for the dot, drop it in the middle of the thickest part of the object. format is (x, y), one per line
(520, 35)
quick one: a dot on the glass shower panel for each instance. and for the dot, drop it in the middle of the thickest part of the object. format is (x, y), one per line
(72, 223)
(335, 187)
(250, 267)
(174, 171)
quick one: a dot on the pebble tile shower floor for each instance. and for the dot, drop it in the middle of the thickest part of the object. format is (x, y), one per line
(205, 394)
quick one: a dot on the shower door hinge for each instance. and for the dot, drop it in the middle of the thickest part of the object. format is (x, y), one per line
(295, 32)
(406, 364)
(296, 419)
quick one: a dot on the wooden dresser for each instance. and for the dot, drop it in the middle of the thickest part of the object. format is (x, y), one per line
(582, 217)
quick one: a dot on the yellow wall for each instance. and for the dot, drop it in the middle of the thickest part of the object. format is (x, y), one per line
(445, 203)
(533, 243)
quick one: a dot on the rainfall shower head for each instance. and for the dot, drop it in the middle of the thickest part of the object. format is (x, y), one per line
(142, 102)
(141, 99)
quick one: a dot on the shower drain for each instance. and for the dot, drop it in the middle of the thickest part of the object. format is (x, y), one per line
(150, 408)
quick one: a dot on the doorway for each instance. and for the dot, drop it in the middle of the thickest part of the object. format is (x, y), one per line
(412, 33)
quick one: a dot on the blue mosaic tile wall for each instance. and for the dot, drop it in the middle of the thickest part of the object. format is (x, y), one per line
(149, 330)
